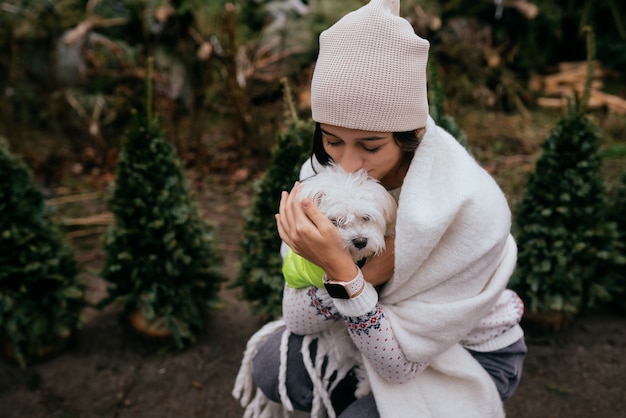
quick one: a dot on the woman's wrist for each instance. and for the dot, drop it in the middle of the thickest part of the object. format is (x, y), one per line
(343, 273)
(360, 305)
(345, 289)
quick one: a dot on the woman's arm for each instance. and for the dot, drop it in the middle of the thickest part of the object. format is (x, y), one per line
(311, 310)
(373, 335)
(308, 310)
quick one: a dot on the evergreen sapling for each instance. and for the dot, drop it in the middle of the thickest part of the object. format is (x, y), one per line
(160, 254)
(566, 246)
(260, 265)
(437, 111)
(617, 215)
(41, 296)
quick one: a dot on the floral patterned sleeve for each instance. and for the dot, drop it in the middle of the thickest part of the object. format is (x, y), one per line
(312, 310)
(372, 334)
(308, 310)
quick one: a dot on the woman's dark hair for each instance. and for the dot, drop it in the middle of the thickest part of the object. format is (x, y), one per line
(408, 142)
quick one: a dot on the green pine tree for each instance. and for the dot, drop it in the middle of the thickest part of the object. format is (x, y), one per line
(160, 254)
(617, 214)
(618, 208)
(41, 297)
(556, 217)
(260, 265)
(437, 112)
(566, 246)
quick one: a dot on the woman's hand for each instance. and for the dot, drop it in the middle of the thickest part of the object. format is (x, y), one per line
(309, 234)
(379, 269)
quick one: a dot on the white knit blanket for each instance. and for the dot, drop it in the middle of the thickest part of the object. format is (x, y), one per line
(453, 258)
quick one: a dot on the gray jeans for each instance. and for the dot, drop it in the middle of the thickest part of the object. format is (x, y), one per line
(504, 366)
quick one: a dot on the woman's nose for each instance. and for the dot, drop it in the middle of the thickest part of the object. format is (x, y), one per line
(350, 163)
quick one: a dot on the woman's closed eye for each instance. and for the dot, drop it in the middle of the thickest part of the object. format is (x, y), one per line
(372, 150)
(333, 143)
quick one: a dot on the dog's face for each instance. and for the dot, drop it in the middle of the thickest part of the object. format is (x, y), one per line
(360, 207)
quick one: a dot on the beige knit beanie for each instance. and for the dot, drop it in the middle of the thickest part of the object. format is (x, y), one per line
(371, 72)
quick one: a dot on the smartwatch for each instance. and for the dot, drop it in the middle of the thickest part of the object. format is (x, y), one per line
(345, 290)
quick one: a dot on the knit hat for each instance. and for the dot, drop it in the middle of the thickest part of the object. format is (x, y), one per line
(371, 72)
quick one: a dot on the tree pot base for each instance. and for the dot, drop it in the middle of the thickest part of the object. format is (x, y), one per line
(548, 321)
(44, 353)
(156, 328)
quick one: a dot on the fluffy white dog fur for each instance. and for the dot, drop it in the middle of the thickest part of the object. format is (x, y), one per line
(360, 207)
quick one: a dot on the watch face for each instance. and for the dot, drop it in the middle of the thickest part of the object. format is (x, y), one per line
(336, 291)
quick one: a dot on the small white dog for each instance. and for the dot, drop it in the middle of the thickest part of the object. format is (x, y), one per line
(360, 207)
(364, 212)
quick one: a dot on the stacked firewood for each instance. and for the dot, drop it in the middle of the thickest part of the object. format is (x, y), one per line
(570, 80)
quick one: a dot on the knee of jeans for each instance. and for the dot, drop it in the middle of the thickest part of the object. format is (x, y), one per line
(508, 388)
(265, 369)
(506, 380)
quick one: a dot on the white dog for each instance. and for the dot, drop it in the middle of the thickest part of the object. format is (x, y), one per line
(360, 207)
(364, 212)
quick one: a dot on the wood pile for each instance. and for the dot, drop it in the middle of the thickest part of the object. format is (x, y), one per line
(83, 226)
(569, 80)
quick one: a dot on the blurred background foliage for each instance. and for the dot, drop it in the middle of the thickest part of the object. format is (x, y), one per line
(71, 71)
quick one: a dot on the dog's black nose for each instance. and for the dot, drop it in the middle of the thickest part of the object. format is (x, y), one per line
(360, 242)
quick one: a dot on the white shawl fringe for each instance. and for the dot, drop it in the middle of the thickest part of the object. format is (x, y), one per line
(319, 371)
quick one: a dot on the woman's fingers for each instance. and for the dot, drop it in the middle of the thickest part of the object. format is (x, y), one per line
(281, 231)
(313, 213)
(282, 221)
(291, 221)
(303, 227)
(289, 209)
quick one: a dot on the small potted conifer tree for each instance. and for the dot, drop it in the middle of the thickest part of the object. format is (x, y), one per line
(617, 214)
(437, 112)
(618, 208)
(161, 259)
(260, 265)
(565, 242)
(41, 296)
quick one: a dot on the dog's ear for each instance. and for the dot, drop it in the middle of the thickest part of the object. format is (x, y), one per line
(318, 197)
(390, 209)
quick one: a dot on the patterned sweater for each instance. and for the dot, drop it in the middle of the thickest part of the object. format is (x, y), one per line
(308, 311)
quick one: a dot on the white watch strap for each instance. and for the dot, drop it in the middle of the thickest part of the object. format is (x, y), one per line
(353, 287)
(356, 285)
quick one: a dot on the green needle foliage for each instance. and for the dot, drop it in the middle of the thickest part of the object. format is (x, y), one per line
(437, 112)
(260, 266)
(618, 208)
(565, 243)
(568, 249)
(160, 254)
(41, 298)
(617, 214)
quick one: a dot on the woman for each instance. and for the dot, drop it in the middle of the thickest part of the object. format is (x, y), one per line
(427, 329)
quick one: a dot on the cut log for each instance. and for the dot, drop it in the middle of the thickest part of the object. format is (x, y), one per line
(571, 80)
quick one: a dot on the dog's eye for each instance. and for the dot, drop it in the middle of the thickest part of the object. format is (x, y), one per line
(366, 218)
(338, 222)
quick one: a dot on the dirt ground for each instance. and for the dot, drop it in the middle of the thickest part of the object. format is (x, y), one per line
(110, 371)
